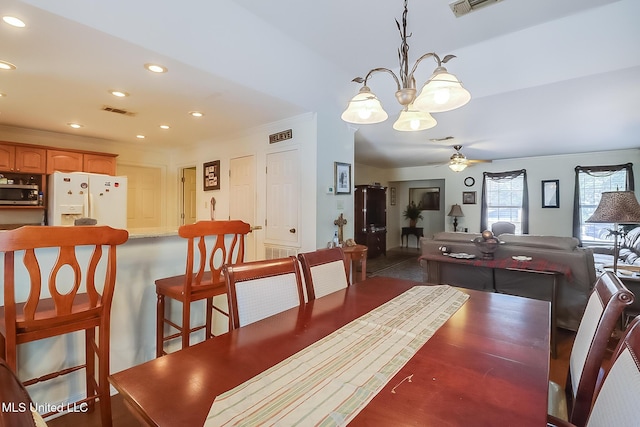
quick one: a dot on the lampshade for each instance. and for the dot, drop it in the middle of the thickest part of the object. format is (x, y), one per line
(442, 92)
(364, 108)
(618, 207)
(456, 211)
(411, 119)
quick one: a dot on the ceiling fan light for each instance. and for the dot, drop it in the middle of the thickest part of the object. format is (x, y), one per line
(457, 166)
(442, 92)
(364, 108)
(412, 120)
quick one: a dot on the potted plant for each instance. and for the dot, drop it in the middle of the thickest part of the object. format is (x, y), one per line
(413, 213)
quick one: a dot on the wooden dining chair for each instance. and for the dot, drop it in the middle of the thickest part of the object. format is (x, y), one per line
(604, 309)
(210, 245)
(76, 296)
(18, 409)
(325, 271)
(616, 401)
(260, 289)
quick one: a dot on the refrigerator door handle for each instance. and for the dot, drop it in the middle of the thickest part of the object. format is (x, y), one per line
(90, 205)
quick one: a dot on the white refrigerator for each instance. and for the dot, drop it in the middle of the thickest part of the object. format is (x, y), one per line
(78, 195)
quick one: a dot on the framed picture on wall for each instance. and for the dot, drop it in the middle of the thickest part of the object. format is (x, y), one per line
(342, 177)
(469, 197)
(551, 193)
(426, 198)
(211, 175)
(392, 196)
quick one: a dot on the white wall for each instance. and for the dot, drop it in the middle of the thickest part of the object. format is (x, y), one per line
(546, 221)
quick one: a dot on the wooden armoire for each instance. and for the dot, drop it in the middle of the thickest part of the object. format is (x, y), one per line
(371, 218)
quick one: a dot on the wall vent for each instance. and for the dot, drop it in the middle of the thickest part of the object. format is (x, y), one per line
(275, 252)
(118, 111)
(462, 7)
(280, 136)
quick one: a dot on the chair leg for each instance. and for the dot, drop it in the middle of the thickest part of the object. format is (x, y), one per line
(186, 323)
(159, 325)
(103, 373)
(90, 361)
(208, 330)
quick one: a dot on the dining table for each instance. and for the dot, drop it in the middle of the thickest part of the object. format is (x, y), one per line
(485, 365)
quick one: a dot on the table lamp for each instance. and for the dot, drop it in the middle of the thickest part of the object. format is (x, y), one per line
(455, 212)
(617, 207)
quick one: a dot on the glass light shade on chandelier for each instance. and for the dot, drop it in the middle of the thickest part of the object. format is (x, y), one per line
(411, 119)
(442, 92)
(364, 108)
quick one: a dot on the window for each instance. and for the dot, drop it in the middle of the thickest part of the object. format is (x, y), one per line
(505, 198)
(591, 182)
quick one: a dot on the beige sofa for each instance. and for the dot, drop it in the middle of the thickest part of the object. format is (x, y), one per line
(572, 292)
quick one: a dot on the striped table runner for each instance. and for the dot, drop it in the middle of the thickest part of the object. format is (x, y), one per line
(329, 382)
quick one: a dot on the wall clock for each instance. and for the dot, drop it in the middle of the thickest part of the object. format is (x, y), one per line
(469, 181)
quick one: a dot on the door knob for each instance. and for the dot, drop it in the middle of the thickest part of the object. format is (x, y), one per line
(292, 230)
(257, 227)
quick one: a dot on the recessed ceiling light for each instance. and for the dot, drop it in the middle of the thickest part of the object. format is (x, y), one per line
(2, 95)
(74, 125)
(118, 93)
(155, 68)
(140, 136)
(4, 65)
(165, 127)
(13, 21)
(196, 113)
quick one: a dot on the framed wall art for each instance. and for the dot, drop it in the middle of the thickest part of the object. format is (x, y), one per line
(342, 176)
(211, 175)
(426, 198)
(392, 196)
(468, 197)
(551, 193)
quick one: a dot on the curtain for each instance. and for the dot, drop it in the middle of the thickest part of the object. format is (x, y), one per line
(596, 171)
(484, 224)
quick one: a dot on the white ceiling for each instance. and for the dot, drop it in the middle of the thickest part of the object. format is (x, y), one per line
(546, 77)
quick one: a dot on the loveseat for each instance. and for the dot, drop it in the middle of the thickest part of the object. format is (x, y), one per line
(573, 289)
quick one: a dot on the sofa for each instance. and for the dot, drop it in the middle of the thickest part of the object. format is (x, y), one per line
(629, 251)
(573, 289)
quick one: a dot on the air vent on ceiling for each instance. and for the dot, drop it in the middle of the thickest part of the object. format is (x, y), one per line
(462, 7)
(118, 111)
(280, 136)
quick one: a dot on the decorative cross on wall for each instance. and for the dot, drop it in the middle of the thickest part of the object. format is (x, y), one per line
(340, 222)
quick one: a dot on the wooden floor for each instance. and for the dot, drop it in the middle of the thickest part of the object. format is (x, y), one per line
(123, 418)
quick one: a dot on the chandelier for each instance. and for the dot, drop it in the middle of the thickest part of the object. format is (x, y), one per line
(441, 92)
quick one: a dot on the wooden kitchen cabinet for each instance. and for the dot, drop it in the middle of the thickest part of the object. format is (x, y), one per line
(22, 159)
(64, 161)
(99, 163)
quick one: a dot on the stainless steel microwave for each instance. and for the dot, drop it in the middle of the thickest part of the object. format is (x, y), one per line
(19, 194)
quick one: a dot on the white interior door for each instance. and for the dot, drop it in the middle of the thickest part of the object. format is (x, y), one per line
(283, 198)
(144, 200)
(242, 198)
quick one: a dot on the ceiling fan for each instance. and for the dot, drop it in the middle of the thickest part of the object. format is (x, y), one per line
(458, 161)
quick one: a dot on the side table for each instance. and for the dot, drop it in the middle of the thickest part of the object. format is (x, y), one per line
(355, 255)
(411, 231)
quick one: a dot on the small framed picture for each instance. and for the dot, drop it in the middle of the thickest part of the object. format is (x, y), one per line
(392, 196)
(551, 193)
(468, 197)
(211, 175)
(342, 172)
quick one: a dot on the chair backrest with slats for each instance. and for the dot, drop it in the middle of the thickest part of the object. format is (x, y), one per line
(260, 289)
(604, 308)
(325, 271)
(72, 276)
(616, 403)
(210, 245)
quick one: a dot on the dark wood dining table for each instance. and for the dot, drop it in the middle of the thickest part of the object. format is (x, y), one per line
(487, 365)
